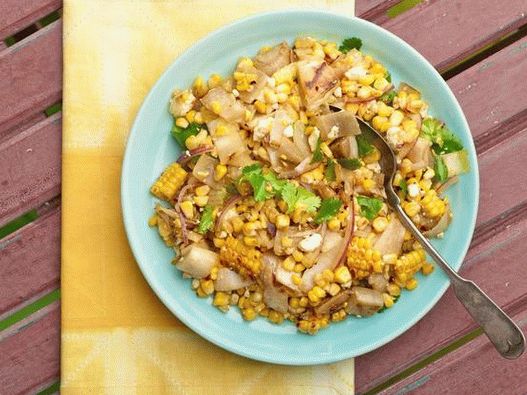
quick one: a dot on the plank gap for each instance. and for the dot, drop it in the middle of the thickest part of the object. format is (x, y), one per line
(402, 7)
(33, 28)
(426, 361)
(53, 109)
(484, 52)
(18, 223)
(52, 389)
(29, 309)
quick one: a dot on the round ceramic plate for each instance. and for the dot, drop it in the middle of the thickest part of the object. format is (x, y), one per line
(150, 149)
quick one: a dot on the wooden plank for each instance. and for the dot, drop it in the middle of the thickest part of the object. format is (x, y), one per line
(30, 352)
(499, 269)
(475, 368)
(374, 10)
(30, 262)
(16, 15)
(446, 32)
(30, 168)
(31, 73)
(492, 99)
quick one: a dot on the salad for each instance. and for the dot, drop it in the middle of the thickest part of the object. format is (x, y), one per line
(276, 204)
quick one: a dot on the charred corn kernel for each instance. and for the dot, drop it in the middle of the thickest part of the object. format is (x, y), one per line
(207, 286)
(214, 80)
(299, 268)
(288, 264)
(221, 130)
(373, 157)
(316, 294)
(237, 224)
(396, 118)
(415, 105)
(187, 208)
(364, 92)
(201, 201)
(294, 302)
(342, 275)
(297, 256)
(411, 284)
(182, 122)
(169, 183)
(425, 184)
(275, 317)
(296, 279)
(250, 241)
(432, 204)
(328, 275)
(303, 302)
(249, 228)
(367, 79)
(220, 171)
(189, 116)
(260, 107)
(393, 289)
(388, 300)
(199, 88)
(362, 259)
(218, 243)
(427, 268)
(410, 135)
(249, 314)
(270, 97)
(245, 62)
(202, 190)
(286, 241)
(334, 289)
(409, 264)
(245, 259)
(406, 166)
(411, 208)
(338, 315)
(282, 221)
(198, 118)
(221, 299)
(152, 221)
(368, 184)
(215, 106)
(384, 110)
(352, 107)
(334, 224)
(379, 224)
(256, 297)
(381, 83)
(378, 122)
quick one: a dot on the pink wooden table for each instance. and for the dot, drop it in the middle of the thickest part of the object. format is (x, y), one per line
(480, 47)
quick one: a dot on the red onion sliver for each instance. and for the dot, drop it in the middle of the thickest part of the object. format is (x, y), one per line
(187, 155)
(228, 205)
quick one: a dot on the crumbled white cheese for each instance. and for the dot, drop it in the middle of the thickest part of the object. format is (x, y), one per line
(262, 128)
(310, 243)
(355, 72)
(288, 131)
(271, 82)
(235, 92)
(334, 132)
(413, 190)
(313, 138)
(375, 167)
(393, 135)
(338, 92)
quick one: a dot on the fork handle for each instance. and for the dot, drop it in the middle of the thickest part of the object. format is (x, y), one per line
(498, 326)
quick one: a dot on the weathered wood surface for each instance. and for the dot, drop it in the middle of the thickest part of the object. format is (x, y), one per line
(31, 73)
(475, 368)
(30, 262)
(30, 352)
(30, 168)
(15, 15)
(446, 32)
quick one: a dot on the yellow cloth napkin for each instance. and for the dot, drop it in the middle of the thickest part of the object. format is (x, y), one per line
(117, 337)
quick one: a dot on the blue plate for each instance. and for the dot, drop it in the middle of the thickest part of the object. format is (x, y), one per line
(150, 148)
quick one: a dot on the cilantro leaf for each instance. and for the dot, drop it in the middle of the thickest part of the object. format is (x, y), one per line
(369, 207)
(388, 97)
(206, 221)
(328, 209)
(404, 186)
(388, 76)
(295, 196)
(440, 169)
(317, 153)
(181, 134)
(350, 43)
(442, 138)
(365, 148)
(330, 171)
(253, 174)
(350, 163)
(231, 189)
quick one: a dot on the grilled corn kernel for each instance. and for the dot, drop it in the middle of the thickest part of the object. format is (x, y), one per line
(381, 83)
(169, 183)
(249, 314)
(282, 221)
(216, 107)
(334, 289)
(334, 224)
(152, 221)
(379, 224)
(342, 275)
(202, 190)
(299, 268)
(315, 294)
(220, 172)
(396, 118)
(214, 80)
(393, 289)
(201, 201)
(388, 300)
(182, 123)
(411, 284)
(250, 241)
(297, 256)
(378, 122)
(275, 317)
(207, 286)
(411, 208)
(221, 299)
(288, 264)
(187, 208)
(427, 268)
(297, 280)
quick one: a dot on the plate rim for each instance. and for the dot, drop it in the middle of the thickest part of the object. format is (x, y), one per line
(194, 324)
